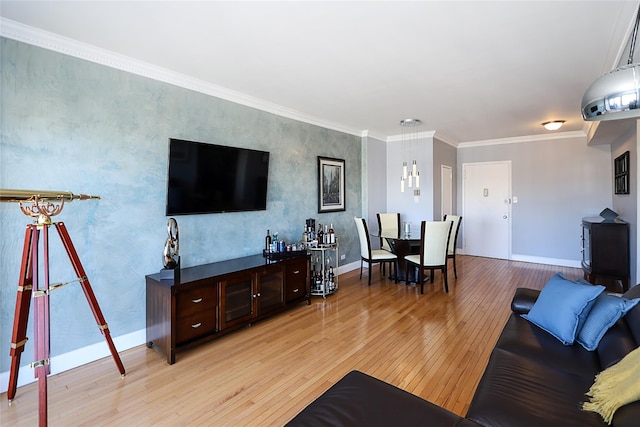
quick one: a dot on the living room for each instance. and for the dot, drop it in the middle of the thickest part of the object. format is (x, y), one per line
(69, 123)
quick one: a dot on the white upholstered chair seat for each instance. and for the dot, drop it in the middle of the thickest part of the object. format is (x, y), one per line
(381, 254)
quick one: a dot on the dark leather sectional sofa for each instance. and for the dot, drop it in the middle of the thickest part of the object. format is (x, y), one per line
(532, 379)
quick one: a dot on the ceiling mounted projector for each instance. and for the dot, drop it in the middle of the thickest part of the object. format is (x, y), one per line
(616, 94)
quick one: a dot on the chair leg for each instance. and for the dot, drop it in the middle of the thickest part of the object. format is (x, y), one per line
(421, 278)
(432, 273)
(395, 274)
(406, 273)
(446, 282)
(455, 270)
(369, 271)
(361, 268)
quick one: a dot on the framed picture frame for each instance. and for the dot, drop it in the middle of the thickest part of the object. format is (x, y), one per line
(331, 185)
(621, 173)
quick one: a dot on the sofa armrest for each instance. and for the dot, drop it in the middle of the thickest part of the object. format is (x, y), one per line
(523, 300)
(361, 400)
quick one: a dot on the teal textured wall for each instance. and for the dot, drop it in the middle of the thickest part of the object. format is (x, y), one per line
(69, 124)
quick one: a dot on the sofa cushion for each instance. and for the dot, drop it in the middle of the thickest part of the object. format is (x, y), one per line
(616, 343)
(518, 391)
(528, 340)
(562, 307)
(604, 314)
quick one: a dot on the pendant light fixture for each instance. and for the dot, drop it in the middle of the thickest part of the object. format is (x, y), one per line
(615, 95)
(409, 178)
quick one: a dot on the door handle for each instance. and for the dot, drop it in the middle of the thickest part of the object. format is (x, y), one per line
(504, 217)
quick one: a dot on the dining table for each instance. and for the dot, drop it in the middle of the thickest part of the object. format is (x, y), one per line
(402, 244)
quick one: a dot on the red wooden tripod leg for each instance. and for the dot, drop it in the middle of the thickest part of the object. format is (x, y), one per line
(21, 313)
(41, 331)
(88, 292)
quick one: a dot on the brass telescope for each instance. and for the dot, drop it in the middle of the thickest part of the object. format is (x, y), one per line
(43, 196)
(44, 204)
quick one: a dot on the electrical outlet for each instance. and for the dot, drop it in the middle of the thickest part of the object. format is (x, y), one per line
(342, 257)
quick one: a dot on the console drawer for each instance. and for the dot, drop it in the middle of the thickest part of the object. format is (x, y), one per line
(196, 299)
(296, 281)
(195, 326)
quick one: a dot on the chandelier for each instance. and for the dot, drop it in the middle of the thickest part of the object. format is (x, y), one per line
(409, 133)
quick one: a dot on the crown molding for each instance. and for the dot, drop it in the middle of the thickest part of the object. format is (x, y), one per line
(54, 42)
(411, 135)
(520, 139)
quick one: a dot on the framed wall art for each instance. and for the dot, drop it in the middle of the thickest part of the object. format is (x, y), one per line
(331, 185)
(621, 173)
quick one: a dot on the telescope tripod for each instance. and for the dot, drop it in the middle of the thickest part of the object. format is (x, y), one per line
(29, 287)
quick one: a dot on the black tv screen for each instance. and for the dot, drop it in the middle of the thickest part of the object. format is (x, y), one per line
(208, 178)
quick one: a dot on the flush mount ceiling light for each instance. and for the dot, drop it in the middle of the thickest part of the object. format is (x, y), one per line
(616, 94)
(553, 125)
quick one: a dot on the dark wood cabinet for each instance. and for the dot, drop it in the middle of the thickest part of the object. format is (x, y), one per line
(210, 300)
(605, 251)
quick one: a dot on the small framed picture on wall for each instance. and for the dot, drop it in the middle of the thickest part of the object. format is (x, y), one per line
(621, 173)
(331, 185)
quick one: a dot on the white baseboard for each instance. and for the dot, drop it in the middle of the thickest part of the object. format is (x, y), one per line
(541, 260)
(348, 267)
(548, 261)
(75, 358)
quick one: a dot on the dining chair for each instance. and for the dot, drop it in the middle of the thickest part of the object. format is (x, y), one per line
(372, 256)
(434, 242)
(387, 223)
(453, 237)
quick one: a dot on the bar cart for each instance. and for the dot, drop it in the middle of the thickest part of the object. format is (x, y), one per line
(324, 274)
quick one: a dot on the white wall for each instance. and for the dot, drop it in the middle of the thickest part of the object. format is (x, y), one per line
(626, 205)
(420, 149)
(557, 182)
(375, 183)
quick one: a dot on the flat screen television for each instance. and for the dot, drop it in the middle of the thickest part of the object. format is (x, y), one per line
(207, 178)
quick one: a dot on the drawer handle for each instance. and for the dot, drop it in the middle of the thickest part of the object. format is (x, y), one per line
(296, 272)
(196, 301)
(196, 325)
(295, 290)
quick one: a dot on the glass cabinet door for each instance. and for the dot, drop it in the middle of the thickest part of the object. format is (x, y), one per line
(270, 290)
(236, 300)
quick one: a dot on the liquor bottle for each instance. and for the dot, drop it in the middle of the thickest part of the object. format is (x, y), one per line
(320, 235)
(332, 283)
(332, 235)
(304, 235)
(267, 242)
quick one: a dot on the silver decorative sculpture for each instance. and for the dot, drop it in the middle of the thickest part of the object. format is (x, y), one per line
(171, 252)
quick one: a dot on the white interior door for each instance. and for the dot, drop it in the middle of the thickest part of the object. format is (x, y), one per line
(446, 196)
(486, 204)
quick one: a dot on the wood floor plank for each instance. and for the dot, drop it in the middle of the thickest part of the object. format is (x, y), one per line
(434, 345)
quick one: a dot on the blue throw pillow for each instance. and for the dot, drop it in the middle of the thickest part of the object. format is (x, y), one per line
(563, 306)
(603, 315)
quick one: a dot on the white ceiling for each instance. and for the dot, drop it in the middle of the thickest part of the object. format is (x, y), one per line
(470, 70)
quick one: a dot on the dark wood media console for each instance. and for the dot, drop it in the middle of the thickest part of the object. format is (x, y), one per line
(605, 251)
(211, 300)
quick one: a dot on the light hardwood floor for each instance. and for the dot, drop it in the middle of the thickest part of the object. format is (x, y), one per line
(434, 345)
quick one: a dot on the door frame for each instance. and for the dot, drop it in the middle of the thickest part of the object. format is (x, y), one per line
(444, 168)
